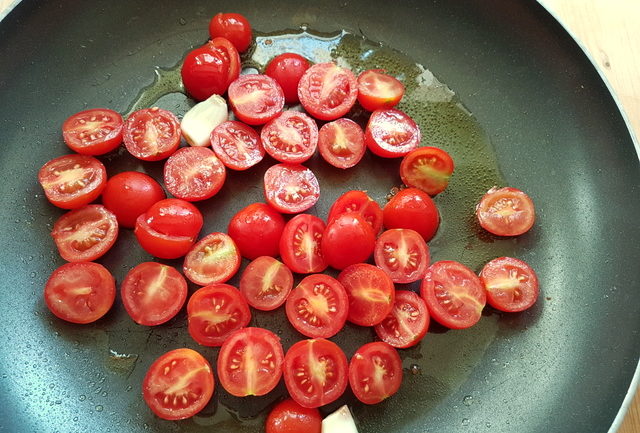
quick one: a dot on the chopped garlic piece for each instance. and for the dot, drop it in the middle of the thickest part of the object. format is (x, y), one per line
(198, 123)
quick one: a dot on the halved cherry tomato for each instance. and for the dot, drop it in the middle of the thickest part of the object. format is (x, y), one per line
(315, 372)
(289, 417)
(370, 291)
(378, 90)
(391, 133)
(169, 228)
(506, 212)
(232, 26)
(210, 69)
(318, 306)
(375, 372)
(214, 259)
(360, 202)
(255, 99)
(300, 244)
(194, 173)
(407, 323)
(511, 284)
(454, 294)
(215, 312)
(287, 69)
(266, 283)
(291, 137)
(327, 91)
(229, 53)
(130, 194)
(256, 230)
(85, 234)
(153, 293)
(178, 385)
(291, 188)
(412, 209)
(403, 254)
(237, 145)
(80, 292)
(341, 143)
(151, 134)
(348, 239)
(427, 168)
(93, 132)
(71, 181)
(250, 362)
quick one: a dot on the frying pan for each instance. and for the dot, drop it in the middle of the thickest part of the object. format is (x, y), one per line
(548, 126)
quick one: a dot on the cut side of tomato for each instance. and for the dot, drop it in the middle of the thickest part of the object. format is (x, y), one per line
(250, 362)
(289, 417)
(391, 133)
(153, 293)
(151, 134)
(402, 254)
(266, 283)
(360, 202)
(407, 323)
(237, 145)
(341, 143)
(454, 294)
(375, 372)
(291, 137)
(255, 99)
(348, 239)
(291, 188)
(506, 212)
(370, 291)
(194, 173)
(93, 132)
(427, 168)
(378, 90)
(178, 385)
(327, 91)
(300, 244)
(213, 259)
(85, 234)
(80, 292)
(511, 284)
(315, 372)
(412, 209)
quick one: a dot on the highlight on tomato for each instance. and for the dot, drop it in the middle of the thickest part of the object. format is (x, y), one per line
(348, 239)
(506, 212)
(360, 202)
(233, 27)
(257, 230)
(130, 194)
(375, 372)
(209, 69)
(93, 132)
(289, 417)
(412, 209)
(377, 90)
(287, 69)
(427, 168)
(391, 133)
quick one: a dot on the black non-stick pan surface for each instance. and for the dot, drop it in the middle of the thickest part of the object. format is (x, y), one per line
(525, 95)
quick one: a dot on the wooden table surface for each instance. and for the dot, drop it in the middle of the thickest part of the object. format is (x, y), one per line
(609, 32)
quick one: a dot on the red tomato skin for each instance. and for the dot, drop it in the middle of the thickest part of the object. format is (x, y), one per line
(499, 199)
(252, 284)
(107, 135)
(345, 136)
(347, 240)
(232, 130)
(279, 176)
(163, 146)
(433, 177)
(95, 180)
(287, 69)
(311, 96)
(288, 123)
(228, 265)
(289, 417)
(377, 131)
(129, 194)
(372, 99)
(205, 72)
(82, 273)
(412, 209)
(393, 244)
(358, 201)
(295, 237)
(231, 26)
(372, 306)
(363, 367)
(160, 245)
(244, 87)
(525, 277)
(410, 308)
(257, 230)
(208, 180)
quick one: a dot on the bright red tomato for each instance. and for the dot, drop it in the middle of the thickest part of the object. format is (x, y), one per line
(237, 145)
(194, 173)
(215, 312)
(327, 91)
(85, 234)
(231, 26)
(378, 90)
(375, 372)
(229, 53)
(315, 372)
(391, 133)
(80, 292)
(360, 202)
(407, 323)
(348, 239)
(341, 143)
(318, 306)
(506, 212)
(300, 244)
(287, 69)
(291, 188)
(250, 362)
(291, 137)
(130, 194)
(511, 284)
(370, 291)
(266, 283)
(255, 99)
(257, 230)
(71, 181)
(178, 385)
(169, 228)
(93, 132)
(403, 254)
(214, 259)
(153, 293)
(427, 168)
(454, 294)
(152, 134)
(412, 209)
(289, 417)
(210, 69)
